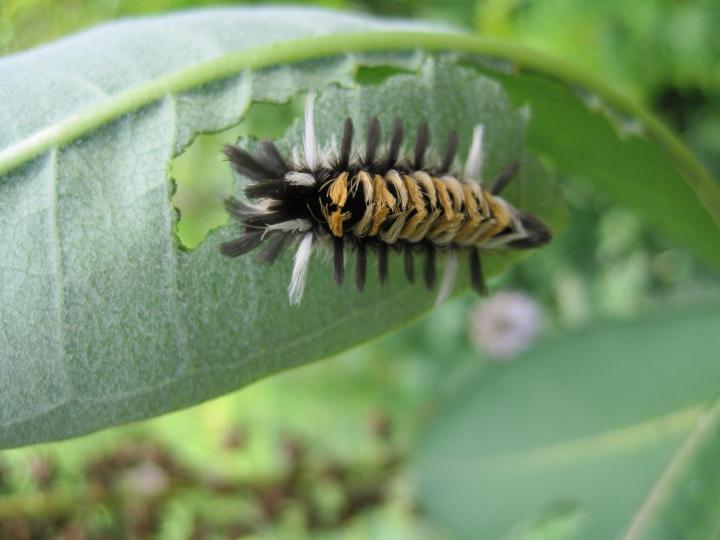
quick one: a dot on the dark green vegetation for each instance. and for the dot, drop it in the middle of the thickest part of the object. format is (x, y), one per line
(592, 433)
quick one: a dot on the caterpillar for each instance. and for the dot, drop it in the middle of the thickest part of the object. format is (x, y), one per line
(376, 201)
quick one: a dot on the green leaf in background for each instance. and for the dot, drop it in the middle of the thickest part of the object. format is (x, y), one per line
(104, 319)
(622, 156)
(585, 423)
(685, 500)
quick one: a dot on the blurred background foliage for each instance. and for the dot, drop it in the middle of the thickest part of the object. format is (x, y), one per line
(319, 452)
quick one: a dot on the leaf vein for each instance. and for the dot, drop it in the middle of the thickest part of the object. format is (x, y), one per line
(59, 273)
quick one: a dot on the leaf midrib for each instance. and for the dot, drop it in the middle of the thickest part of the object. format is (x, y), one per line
(583, 448)
(649, 511)
(308, 48)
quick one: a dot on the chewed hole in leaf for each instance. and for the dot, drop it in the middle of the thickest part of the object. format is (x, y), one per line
(373, 75)
(202, 177)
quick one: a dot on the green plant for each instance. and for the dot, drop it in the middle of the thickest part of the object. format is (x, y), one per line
(107, 317)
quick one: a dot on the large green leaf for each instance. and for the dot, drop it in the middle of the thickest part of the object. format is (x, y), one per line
(577, 431)
(685, 500)
(102, 318)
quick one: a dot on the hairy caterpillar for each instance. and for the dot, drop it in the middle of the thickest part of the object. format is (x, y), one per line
(377, 201)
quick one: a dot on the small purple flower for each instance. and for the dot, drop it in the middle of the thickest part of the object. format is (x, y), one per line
(505, 325)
